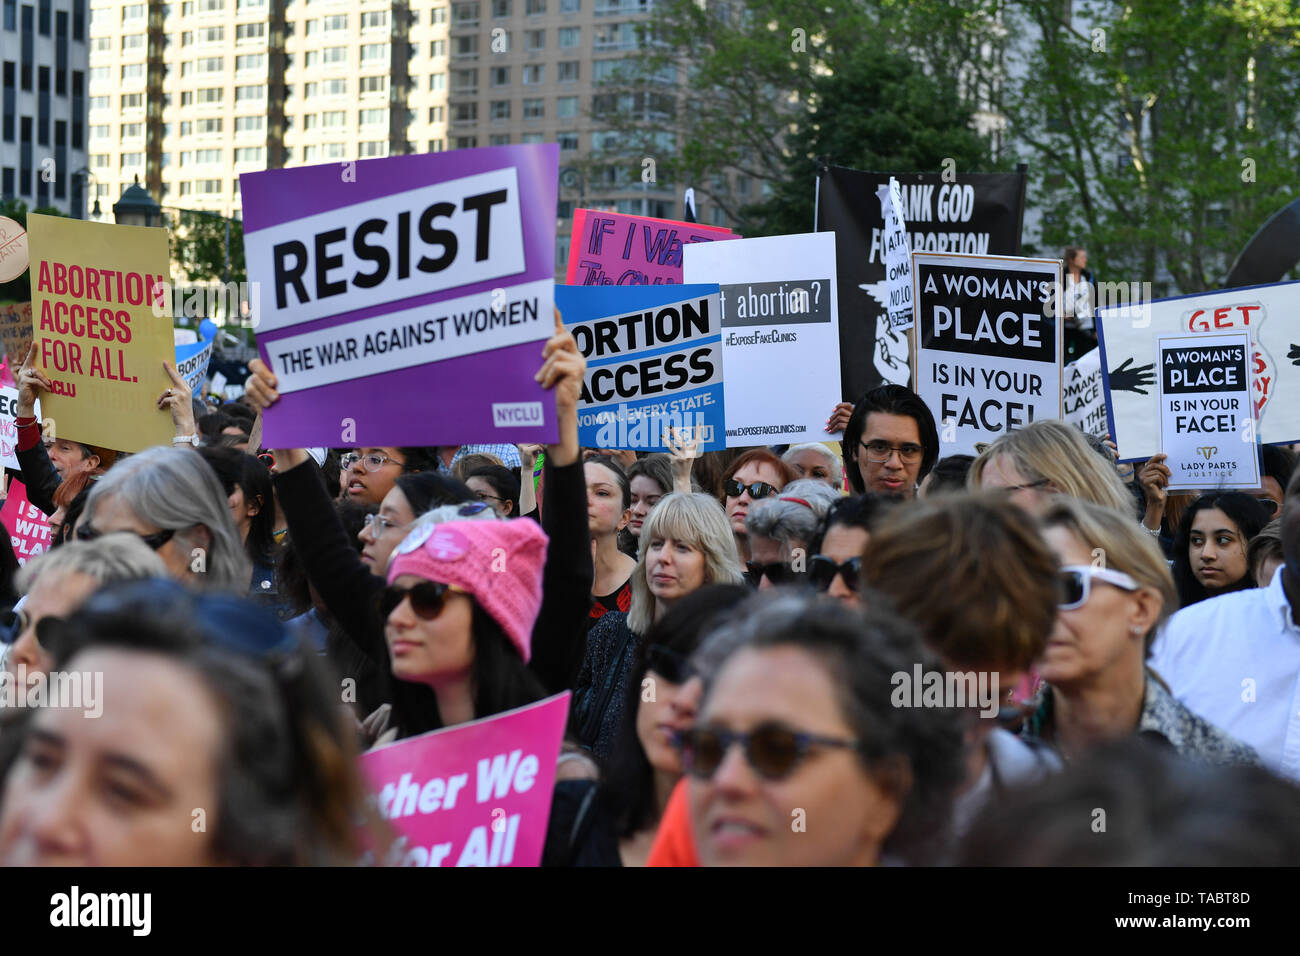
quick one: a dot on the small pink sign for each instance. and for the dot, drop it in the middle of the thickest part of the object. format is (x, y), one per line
(478, 794)
(609, 248)
(29, 531)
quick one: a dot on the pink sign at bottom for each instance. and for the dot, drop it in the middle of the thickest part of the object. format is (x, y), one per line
(478, 794)
(29, 531)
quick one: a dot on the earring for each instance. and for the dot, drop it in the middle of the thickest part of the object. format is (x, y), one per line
(1137, 631)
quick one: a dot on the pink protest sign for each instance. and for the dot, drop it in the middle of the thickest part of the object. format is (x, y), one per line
(478, 794)
(29, 532)
(608, 248)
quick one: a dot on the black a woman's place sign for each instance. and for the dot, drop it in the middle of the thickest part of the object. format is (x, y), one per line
(988, 344)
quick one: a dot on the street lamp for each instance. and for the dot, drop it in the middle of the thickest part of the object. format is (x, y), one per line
(137, 207)
(88, 177)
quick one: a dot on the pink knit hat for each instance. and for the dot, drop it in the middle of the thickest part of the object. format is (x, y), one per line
(498, 563)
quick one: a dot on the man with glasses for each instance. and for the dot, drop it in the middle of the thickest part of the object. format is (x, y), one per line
(890, 442)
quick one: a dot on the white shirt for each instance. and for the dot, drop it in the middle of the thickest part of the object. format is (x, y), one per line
(1235, 660)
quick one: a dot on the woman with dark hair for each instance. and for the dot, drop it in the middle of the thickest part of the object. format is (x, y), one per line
(797, 722)
(837, 554)
(947, 476)
(755, 475)
(412, 495)
(890, 441)
(497, 485)
(349, 586)
(609, 502)
(247, 485)
(644, 766)
(207, 703)
(650, 479)
(1210, 549)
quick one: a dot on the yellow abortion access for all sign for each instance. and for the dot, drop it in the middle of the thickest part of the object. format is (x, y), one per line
(97, 336)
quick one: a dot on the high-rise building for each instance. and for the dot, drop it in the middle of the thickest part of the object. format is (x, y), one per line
(43, 116)
(186, 95)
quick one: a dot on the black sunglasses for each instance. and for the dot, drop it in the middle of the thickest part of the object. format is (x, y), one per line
(428, 598)
(757, 490)
(773, 750)
(822, 571)
(668, 664)
(88, 532)
(778, 572)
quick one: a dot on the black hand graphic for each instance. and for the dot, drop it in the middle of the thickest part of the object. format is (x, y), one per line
(1294, 354)
(1125, 379)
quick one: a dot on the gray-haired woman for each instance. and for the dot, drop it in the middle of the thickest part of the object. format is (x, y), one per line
(782, 529)
(172, 501)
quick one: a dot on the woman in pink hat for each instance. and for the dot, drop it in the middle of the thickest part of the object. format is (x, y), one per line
(458, 614)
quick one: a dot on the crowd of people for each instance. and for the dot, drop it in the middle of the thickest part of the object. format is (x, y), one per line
(745, 635)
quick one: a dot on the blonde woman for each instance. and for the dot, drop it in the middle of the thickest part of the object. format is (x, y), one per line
(1050, 458)
(1116, 591)
(685, 543)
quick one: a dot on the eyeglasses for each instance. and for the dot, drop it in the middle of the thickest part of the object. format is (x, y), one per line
(668, 664)
(823, 570)
(778, 572)
(377, 524)
(487, 497)
(758, 489)
(1076, 583)
(371, 463)
(428, 598)
(88, 532)
(773, 750)
(908, 453)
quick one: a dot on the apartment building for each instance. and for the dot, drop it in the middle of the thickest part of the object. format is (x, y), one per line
(43, 115)
(187, 95)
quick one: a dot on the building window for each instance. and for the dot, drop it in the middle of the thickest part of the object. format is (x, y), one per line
(334, 118)
(372, 85)
(465, 113)
(437, 82)
(250, 154)
(207, 156)
(534, 109)
(437, 15)
(566, 107)
(132, 159)
(465, 14)
(375, 148)
(499, 139)
(132, 71)
(207, 187)
(464, 47)
(132, 41)
(438, 48)
(570, 37)
(500, 110)
(132, 101)
(211, 125)
(570, 6)
(132, 130)
(464, 82)
(133, 11)
(534, 40)
(568, 71)
(372, 118)
(437, 145)
(534, 7)
(249, 31)
(253, 124)
(374, 20)
(500, 76)
(567, 141)
(186, 188)
(466, 142)
(501, 9)
(533, 73)
(437, 114)
(245, 94)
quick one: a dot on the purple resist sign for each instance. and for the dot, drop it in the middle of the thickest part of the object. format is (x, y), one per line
(405, 301)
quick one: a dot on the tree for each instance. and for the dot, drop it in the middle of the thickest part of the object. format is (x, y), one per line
(200, 244)
(20, 289)
(1159, 133)
(745, 78)
(914, 126)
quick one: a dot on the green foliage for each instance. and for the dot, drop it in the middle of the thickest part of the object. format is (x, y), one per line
(1145, 123)
(199, 246)
(910, 125)
(20, 289)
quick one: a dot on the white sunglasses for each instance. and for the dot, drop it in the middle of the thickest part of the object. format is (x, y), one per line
(1076, 583)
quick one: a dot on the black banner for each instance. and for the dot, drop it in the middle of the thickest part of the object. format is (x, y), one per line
(976, 213)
